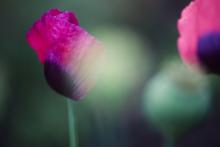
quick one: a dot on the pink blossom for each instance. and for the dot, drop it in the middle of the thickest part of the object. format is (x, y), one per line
(67, 52)
(199, 40)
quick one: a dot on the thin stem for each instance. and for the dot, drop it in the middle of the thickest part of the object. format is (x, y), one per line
(72, 129)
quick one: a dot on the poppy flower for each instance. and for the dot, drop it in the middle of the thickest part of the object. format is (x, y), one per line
(199, 29)
(69, 53)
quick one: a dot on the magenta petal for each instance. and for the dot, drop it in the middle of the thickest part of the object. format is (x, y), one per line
(53, 12)
(37, 40)
(53, 28)
(199, 18)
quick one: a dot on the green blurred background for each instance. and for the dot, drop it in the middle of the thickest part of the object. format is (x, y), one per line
(32, 115)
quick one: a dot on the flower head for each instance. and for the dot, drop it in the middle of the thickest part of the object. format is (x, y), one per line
(176, 99)
(68, 53)
(199, 41)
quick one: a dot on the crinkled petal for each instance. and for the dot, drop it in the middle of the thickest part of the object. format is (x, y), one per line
(54, 27)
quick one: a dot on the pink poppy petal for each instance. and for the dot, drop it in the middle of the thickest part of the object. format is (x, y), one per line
(198, 19)
(188, 35)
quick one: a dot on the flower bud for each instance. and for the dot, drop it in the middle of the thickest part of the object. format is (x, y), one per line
(68, 52)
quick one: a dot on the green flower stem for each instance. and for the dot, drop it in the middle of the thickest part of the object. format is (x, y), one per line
(72, 129)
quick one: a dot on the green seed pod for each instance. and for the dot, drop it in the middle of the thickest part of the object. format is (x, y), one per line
(176, 99)
(120, 75)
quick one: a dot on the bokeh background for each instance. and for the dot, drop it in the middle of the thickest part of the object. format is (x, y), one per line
(142, 35)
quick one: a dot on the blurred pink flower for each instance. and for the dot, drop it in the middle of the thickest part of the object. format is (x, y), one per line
(66, 50)
(199, 40)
